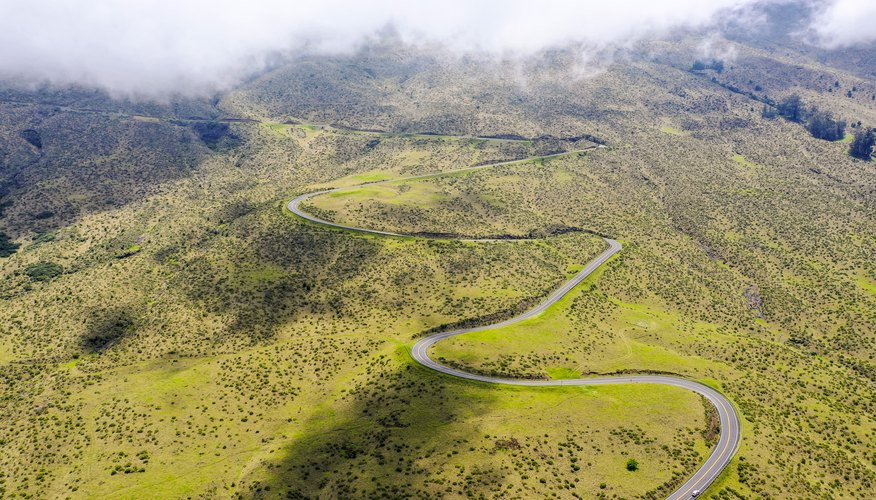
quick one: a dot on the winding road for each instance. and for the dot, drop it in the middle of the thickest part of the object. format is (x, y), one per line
(730, 427)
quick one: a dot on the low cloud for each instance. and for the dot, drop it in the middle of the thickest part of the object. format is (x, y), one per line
(160, 47)
(844, 23)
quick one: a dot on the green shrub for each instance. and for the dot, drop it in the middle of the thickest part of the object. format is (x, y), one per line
(43, 271)
(822, 125)
(791, 109)
(7, 247)
(44, 238)
(862, 146)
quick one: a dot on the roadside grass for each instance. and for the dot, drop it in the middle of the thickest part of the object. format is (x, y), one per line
(416, 194)
(560, 373)
(627, 340)
(373, 176)
(473, 203)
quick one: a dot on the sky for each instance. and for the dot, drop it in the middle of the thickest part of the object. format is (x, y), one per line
(161, 47)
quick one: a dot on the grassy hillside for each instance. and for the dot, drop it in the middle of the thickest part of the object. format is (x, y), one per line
(168, 328)
(749, 295)
(197, 314)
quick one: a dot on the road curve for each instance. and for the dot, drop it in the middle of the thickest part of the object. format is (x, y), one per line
(730, 427)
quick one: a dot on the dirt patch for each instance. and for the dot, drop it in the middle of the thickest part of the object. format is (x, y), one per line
(507, 444)
(713, 424)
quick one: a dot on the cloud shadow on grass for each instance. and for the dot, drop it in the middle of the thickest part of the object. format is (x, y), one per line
(276, 270)
(391, 435)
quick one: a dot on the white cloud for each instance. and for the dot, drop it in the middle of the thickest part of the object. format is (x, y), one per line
(843, 23)
(158, 47)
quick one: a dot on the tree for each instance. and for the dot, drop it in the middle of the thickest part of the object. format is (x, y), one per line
(7, 246)
(862, 146)
(715, 64)
(823, 126)
(632, 465)
(792, 108)
(768, 112)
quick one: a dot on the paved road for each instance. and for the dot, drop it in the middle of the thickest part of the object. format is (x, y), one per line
(730, 427)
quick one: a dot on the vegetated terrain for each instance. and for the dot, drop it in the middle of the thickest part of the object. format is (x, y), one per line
(169, 329)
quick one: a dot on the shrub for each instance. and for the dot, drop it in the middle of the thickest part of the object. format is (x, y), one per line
(715, 64)
(769, 112)
(43, 271)
(7, 247)
(862, 146)
(823, 126)
(791, 108)
(44, 238)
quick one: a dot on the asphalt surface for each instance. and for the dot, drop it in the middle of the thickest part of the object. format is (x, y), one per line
(730, 427)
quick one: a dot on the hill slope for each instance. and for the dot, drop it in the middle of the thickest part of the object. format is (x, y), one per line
(168, 328)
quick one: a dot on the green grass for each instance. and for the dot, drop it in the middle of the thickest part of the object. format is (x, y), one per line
(278, 128)
(672, 131)
(559, 373)
(6, 354)
(621, 344)
(741, 160)
(261, 273)
(403, 193)
(866, 284)
(462, 201)
(373, 176)
(70, 364)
